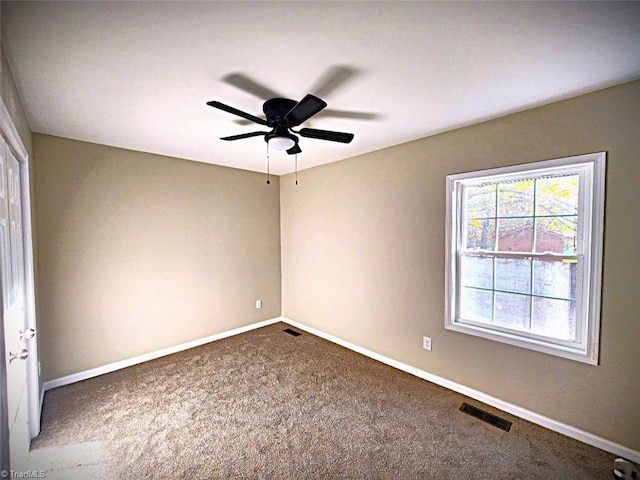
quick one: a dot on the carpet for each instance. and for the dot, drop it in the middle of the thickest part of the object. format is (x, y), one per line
(268, 405)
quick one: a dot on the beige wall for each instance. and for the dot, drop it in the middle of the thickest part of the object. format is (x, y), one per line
(138, 252)
(363, 258)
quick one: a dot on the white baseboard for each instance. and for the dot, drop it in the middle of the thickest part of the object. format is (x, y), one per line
(112, 367)
(533, 417)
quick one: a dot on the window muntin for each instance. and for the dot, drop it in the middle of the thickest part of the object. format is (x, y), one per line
(524, 247)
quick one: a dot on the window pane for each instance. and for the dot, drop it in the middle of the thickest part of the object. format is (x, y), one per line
(476, 304)
(554, 318)
(512, 310)
(477, 272)
(557, 234)
(555, 278)
(557, 195)
(480, 201)
(515, 199)
(513, 275)
(480, 234)
(515, 235)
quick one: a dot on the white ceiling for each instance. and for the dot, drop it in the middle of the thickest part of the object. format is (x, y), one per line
(137, 74)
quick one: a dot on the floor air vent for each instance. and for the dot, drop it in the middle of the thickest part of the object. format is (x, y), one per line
(292, 332)
(486, 417)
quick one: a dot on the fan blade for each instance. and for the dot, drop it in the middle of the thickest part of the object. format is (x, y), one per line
(304, 110)
(329, 112)
(295, 149)
(243, 82)
(326, 135)
(244, 135)
(235, 111)
(333, 78)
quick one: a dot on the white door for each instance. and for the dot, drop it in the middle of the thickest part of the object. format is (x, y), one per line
(17, 337)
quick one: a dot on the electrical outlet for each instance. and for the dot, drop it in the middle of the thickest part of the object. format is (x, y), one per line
(258, 303)
(426, 343)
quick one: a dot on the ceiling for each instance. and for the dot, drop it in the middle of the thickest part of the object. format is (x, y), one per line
(138, 74)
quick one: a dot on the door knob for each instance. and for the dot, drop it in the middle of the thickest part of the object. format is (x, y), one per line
(21, 355)
(27, 334)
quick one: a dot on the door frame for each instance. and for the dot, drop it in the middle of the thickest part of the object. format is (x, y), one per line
(34, 395)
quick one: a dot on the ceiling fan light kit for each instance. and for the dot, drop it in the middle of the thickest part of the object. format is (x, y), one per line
(281, 141)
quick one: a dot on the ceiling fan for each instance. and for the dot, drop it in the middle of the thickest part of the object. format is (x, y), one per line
(282, 115)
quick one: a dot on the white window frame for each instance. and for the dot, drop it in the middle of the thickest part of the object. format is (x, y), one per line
(591, 169)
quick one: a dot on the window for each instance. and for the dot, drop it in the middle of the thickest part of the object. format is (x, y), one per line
(524, 254)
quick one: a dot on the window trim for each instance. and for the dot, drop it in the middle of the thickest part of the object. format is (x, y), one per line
(591, 198)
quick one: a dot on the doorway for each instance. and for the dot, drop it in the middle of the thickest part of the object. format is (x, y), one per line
(20, 386)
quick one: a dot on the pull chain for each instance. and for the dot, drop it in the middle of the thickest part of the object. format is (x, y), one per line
(268, 174)
(268, 168)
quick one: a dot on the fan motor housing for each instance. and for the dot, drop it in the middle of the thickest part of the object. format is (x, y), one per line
(276, 108)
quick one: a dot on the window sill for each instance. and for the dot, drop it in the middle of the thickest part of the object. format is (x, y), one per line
(585, 355)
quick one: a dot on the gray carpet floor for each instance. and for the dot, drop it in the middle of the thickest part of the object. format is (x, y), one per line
(265, 404)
